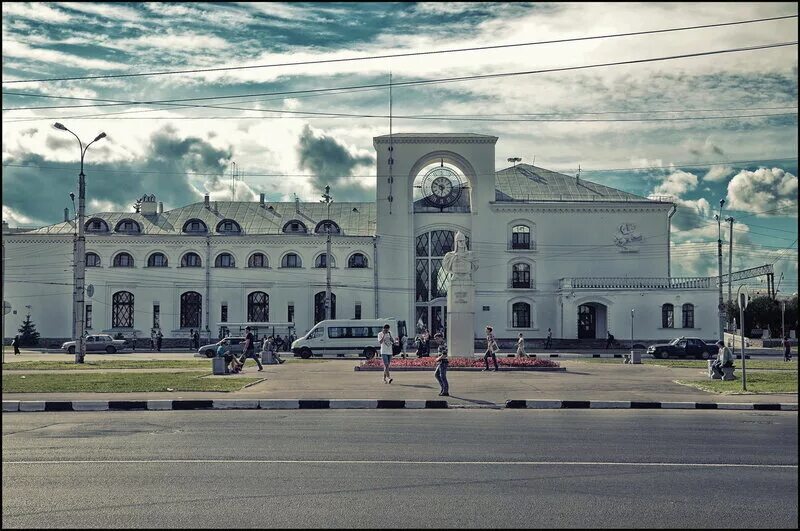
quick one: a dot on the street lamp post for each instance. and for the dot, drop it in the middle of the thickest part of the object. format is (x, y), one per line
(80, 249)
(720, 307)
(743, 299)
(326, 198)
(635, 357)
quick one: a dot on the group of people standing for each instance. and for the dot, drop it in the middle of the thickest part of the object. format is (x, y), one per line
(156, 337)
(269, 352)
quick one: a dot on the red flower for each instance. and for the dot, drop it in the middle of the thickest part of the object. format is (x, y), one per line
(461, 362)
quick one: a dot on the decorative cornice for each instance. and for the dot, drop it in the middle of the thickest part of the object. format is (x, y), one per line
(587, 207)
(435, 140)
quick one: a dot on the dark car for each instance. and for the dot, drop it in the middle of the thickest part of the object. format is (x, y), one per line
(684, 347)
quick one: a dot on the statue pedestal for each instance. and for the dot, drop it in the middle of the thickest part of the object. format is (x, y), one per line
(461, 317)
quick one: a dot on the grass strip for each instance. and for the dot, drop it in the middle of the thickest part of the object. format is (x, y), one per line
(757, 382)
(99, 382)
(106, 364)
(702, 364)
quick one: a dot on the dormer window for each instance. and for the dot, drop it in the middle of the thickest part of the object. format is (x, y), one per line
(357, 261)
(228, 226)
(96, 225)
(295, 226)
(195, 226)
(326, 226)
(128, 226)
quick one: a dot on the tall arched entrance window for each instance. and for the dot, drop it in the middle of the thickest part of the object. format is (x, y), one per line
(258, 307)
(191, 309)
(431, 280)
(319, 306)
(122, 310)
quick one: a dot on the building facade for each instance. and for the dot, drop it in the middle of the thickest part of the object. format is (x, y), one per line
(555, 252)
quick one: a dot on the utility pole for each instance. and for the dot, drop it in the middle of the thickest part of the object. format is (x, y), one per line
(80, 250)
(730, 221)
(327, 199)
(720, 306)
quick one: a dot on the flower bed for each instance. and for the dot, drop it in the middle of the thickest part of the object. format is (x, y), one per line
(460, 362)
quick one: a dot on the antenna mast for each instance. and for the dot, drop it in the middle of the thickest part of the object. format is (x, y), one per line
(391, 147)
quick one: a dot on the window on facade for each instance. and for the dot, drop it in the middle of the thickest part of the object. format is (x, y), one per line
(357, 261)
(688, 315)
(122, 310)
(320, 261)
(123, 260)
(128, 225)
(257, 260)
(357, 312)
(92, 260)
(431, 279)
(157, 260)
(521, 237)
(156, 316)
(521, 276)
(228, 225)
(191, 260)
(194, 225)
(258, 307)
(191, 308)
(223, 313)
(319, 306)
(323, 227)
(521, 315)
(291, 260)
(224, 260)
(667, 316)
(96, 225)
(295, 226)
(290, 313)
(88, 318)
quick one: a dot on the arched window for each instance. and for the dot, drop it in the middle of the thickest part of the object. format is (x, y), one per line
(667, 316)
(688, 315)
(194, 225)
(257, 260)
(122, 310)
(157, 260)
(521, 315)
(225, 260)
(228, 226)
(92, 260)
(258, 307)
(128, 226)
(325, 226)
(191, 260)
(320, 261)
(191, 308)
(295, 226)
(291, 260)
(96, 225)
(357, 261)
(319, 306)
(521, 237)
(123, 260)
(521, 276)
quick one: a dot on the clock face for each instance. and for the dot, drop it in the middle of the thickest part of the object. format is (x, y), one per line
(441, 187)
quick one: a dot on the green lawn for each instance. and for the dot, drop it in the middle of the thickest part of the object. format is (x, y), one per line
(757, 382)
(700, 364)
(107, 364)
(99, 382)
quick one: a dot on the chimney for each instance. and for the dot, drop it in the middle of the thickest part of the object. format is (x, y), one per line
(160, 207)
(297, 204)
(66, 214)
(148, 205)
(207, 202)
(263, 196)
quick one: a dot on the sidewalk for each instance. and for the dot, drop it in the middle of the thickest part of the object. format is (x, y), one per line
(336, 379)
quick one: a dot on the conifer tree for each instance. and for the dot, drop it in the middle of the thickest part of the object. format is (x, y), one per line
(28, 336)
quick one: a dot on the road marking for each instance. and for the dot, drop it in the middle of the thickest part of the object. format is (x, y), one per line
(390, 462)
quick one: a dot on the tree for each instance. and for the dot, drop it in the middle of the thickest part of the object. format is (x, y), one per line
(28, 336)
(765, 313)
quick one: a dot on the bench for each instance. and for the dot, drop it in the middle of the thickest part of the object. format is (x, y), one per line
(727, 373)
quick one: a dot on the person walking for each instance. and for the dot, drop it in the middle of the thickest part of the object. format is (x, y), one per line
(521, 347)
(549, 341)
(196, 339)
(491, 349)
(15, 344)
(159, 338)
(386, 341)
(441, 368)
(787, 349)
(250, 349)
(152, 339)
(610, 341)
(191, 338)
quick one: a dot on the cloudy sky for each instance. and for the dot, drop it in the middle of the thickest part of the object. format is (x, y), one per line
(691, 128)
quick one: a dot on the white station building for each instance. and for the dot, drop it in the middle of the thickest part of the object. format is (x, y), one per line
(555, 252)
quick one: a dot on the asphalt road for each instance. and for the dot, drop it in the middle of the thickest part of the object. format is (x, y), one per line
(425, 468)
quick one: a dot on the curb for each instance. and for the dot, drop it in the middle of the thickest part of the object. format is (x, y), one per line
(359, 368)
(623, 404)
(184, 405)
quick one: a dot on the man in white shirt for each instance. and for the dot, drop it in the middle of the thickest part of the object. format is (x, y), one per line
(386, 341)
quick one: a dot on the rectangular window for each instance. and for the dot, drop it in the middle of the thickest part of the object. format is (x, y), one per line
(88, 316)
(156, 316)
(290, 313)
(223, 313)
(358, 311)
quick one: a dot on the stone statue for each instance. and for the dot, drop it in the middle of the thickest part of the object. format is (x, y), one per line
(460, 263)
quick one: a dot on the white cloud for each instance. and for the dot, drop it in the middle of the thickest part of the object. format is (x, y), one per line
(763, 190)
(676, 184)
(15, 219)
(104, 10)
(38, 11)
(718, 173)
(181, 43)
(13, 48)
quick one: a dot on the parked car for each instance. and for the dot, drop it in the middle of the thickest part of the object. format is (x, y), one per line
(684, 347)
(235, 344)
(97, 343)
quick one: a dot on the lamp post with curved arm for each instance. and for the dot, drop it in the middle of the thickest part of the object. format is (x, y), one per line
(79, 259)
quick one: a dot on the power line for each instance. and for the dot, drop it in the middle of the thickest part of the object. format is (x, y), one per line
(420, 82)
(406, 54)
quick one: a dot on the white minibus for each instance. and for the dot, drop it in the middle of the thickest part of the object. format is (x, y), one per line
(348, 336)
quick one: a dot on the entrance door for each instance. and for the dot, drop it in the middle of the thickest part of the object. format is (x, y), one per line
(586, 322)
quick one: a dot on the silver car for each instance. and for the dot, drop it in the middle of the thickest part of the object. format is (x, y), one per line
(234, 344)
(97, 343)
